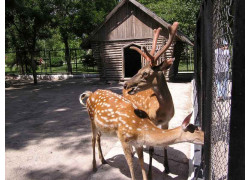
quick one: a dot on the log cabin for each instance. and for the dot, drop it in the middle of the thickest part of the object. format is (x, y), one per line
(129, 24)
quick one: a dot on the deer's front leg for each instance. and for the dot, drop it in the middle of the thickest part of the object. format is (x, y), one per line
(128, 155)
(166, 166)
(151, 151)
(139, 151)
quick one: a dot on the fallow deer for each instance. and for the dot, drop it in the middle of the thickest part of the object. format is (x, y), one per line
(111, 113)
(148, 89)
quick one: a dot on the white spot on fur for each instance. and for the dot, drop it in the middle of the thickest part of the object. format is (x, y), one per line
(128, 135)
(122, 114)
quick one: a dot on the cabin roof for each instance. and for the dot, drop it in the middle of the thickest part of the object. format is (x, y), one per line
(179, 34)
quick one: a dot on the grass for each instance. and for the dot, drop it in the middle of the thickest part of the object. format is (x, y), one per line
(82, 69)
(183, 66)
(56, 70)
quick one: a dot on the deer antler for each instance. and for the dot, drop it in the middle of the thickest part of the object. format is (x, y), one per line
(156, 36)
(150, 56)
(172, 32)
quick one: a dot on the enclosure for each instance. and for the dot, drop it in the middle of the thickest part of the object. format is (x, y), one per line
(49, 135)
(219, 83)
(50, 61)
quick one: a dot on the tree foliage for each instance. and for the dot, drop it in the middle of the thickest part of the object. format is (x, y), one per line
(26, 22)
(61, 24)
(183, 11)
(33, 24)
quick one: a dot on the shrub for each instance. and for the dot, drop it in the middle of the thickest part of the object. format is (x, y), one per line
(10, 59)
(56, 62)
(88, 61)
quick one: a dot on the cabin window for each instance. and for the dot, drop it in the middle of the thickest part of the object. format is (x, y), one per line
(132, 61)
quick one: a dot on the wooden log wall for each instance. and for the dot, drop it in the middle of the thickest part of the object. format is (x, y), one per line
(109, 56)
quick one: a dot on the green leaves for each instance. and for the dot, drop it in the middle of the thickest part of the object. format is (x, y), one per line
(39, 19)
(184, 12)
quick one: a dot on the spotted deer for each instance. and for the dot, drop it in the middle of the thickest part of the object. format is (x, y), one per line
(113, 114)
(148, 89)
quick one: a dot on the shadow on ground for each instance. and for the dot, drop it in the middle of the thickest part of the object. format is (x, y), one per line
(117, 167)
(51, 110)
(57, 173)
(47, 110)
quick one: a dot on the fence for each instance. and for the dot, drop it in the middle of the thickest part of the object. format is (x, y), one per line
(49, 62)
(186, 63)
(219, 64)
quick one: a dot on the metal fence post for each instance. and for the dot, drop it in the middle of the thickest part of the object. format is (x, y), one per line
(237, 125)
(50, 62)
(76, 60)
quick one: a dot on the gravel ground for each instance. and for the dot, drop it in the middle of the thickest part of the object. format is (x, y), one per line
(48, 133)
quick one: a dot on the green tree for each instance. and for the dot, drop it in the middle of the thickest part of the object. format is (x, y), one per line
(183, 11)
(76, 17)
(67, 14)
(26, 23)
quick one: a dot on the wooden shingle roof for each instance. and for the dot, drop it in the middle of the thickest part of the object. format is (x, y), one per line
(179, 34)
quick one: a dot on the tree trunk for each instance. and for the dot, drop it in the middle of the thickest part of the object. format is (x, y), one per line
(67, 54)
(33, 62)
(33, 66)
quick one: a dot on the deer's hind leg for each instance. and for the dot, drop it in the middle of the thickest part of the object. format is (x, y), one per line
(100, 148)
(93, 127)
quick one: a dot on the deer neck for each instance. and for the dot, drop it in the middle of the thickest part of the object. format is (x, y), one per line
(161, 90)
(163, 138)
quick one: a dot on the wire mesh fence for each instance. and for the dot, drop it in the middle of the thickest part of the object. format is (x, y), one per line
(213, 82)
(186, 63)
(222, 47)
(49, 62)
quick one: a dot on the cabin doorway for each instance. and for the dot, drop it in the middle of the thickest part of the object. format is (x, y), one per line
(132, 61)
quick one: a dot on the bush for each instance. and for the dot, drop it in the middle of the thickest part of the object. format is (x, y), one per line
(56, 62)
(10, 59)
(88, 61)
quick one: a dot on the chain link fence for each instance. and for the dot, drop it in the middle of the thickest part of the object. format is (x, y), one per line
(50, 62)
(222, 46)
(213, 54)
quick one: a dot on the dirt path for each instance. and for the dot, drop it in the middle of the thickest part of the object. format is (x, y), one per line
(48, 133)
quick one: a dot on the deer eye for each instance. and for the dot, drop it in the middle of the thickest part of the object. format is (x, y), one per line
(144, 74)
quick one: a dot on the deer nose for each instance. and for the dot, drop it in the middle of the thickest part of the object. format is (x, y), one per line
(125, 85)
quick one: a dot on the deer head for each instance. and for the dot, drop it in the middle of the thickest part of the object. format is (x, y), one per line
(191, 132)
(151, 74)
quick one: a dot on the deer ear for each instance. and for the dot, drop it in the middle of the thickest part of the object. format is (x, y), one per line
(165, 64)
(186, 121)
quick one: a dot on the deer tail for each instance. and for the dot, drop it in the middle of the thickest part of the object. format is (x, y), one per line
(83, 96)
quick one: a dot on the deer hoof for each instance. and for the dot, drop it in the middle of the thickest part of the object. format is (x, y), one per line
(149, 176)
(94, 169)
(104, 161)
(166, 171)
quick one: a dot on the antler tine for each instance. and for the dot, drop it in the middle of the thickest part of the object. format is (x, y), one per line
(141, 52)
(151, 58)
(172, 32)
(156, 36)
